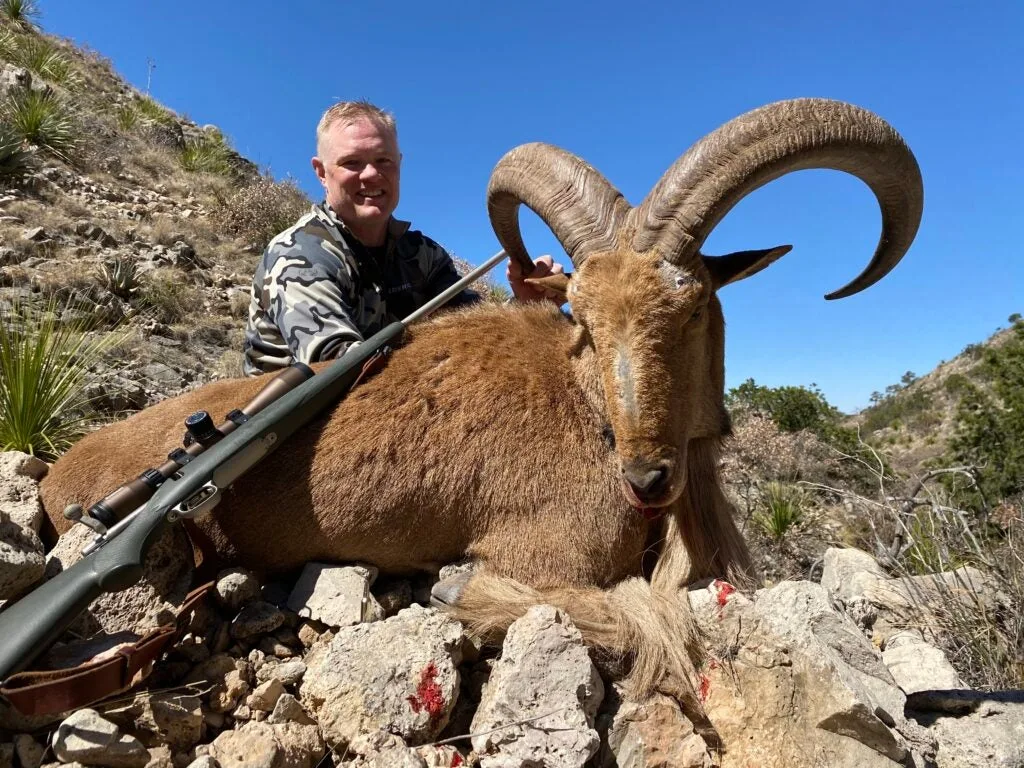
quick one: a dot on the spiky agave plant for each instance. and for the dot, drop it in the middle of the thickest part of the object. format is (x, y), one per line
(43, 366)
(24, 13)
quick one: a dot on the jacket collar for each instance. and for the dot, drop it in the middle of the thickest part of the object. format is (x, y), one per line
(396, 227)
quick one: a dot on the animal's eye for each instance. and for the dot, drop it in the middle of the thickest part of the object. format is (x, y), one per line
(681, 280)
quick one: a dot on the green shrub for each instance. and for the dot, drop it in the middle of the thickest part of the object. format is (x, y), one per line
(898, 408)
(148, 109)
(956, 384)
(207, 155)
(48, 61)
(24, 13)
(974, 351)
(259, 211)
(43, 363)
(127, 117)
(990, 422)
(781, 509)
(791, 408)
(41, 119)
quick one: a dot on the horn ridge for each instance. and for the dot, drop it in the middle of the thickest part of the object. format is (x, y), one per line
(722, 168)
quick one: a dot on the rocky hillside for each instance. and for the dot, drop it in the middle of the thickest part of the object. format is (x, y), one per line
(914, 420)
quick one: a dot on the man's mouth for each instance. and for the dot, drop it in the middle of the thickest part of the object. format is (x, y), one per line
(368, 196)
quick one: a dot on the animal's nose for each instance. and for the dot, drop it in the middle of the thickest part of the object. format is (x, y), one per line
(647, 479)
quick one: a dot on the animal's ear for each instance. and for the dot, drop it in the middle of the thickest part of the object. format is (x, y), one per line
(554, 286)
(736, 266)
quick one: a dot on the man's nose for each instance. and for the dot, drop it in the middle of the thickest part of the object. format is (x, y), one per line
(369, 171)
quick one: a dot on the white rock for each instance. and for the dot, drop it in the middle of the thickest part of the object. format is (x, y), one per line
(87, 738)
(544, 672)
(397, 675)
(339, 596)
(919, 666)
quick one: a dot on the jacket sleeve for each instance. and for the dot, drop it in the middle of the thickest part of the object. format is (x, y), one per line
(307, 289)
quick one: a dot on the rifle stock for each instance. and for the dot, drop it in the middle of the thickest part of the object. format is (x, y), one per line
(30, 625)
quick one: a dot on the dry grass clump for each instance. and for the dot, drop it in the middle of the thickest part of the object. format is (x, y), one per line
(169, 296)
(485, 286)
(982, 633)
(259, 211)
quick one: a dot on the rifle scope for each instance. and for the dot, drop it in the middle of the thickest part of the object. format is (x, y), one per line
(133, 494)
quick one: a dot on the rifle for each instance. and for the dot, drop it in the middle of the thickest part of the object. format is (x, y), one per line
(191, 487)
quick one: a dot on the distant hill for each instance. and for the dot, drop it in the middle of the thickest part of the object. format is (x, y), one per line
(914, 420)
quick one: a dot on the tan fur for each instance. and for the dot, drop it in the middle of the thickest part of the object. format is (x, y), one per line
(484, 436)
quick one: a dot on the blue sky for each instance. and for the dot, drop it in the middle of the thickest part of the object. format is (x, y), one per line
(628, 87)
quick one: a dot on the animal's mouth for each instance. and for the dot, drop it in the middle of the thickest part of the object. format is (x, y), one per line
(663, 500)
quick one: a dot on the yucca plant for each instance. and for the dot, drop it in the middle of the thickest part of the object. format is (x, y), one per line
(14, 158)
(127, 117)
(43, 365)
(41, 119)
(150, 110)
(206, 155)
(46, 60)
(24, 13)
(781, 509)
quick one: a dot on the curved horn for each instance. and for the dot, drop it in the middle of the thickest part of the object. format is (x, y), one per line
(582, 209)
(764, 144)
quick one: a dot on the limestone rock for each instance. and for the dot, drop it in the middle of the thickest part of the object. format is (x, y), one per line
(796, 685)
(918, 666)
(255, 619)
(991, 733)
(22, 563)
(398, 675)
(30, 752)
(152, 602)
(339, 596)
(235, 588)
(87, 738)
(652, 734)
(545, 672)
(20, 474)
(169, 718)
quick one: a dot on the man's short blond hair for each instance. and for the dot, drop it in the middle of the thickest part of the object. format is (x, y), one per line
(350, 111)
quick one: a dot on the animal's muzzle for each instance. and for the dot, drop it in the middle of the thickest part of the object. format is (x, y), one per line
(647, 480)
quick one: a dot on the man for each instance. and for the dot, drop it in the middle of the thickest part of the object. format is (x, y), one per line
(348, 267)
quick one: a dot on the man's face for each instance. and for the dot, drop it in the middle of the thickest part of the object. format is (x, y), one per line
(358, 164)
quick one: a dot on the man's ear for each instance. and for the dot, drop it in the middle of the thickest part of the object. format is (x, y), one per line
(736, 266)
(319, 169)
(555, 286)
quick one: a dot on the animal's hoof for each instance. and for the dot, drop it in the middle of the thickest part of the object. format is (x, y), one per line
(446, 593)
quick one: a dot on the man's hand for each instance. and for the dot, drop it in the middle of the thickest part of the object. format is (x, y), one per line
(544, 266)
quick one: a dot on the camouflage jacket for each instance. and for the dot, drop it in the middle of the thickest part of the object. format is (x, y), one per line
(317, 290)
